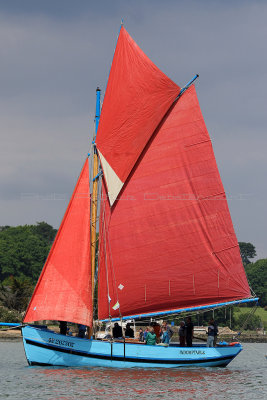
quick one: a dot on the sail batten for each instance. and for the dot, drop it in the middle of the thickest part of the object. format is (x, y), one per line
(63, 291)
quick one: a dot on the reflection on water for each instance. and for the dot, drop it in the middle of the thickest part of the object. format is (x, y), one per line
(242, 379)
(172, 383)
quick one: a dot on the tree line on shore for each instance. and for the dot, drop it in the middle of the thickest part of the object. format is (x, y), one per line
(24, 249)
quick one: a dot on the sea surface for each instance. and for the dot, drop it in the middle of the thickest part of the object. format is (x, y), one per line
(244, 378)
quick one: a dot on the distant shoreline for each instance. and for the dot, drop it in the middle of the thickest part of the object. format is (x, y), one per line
(244, 338)
(15, 335)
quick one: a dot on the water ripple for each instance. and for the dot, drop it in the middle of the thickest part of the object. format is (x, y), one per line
(243, 379)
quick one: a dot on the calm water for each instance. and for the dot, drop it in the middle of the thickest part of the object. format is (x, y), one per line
(244, 378)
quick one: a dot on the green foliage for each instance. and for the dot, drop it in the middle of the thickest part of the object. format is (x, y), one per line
(222, 318)
(252, 322)
(220, 315)
(3, 228)
(23, 250)
(45, 231)
(257, 277)
(15, 293)
(247, 250)
(260, 311)
(7, 315)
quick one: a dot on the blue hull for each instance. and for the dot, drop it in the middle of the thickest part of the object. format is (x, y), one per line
(45, 347)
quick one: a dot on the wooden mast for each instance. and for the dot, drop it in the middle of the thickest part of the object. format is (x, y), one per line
(94, 194)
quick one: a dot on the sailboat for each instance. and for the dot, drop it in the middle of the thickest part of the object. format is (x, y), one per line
(166, 239)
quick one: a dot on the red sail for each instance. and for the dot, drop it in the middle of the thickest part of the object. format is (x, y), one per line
(63, 291)
(137, 97)
(168, 242)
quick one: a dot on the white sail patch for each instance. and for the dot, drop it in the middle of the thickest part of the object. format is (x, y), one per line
(113, 182)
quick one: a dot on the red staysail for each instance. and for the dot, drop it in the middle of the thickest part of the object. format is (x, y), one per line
(63, 291)
(137, 97)
(168, 242)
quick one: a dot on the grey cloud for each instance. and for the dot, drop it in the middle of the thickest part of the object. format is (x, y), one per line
(53, 57)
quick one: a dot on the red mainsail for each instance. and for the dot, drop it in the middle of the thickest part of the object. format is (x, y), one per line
(168, 242)
(63, 291)
(138, 95)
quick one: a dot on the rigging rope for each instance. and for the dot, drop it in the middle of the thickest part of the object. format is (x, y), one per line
(12, 328)
(114, 276)
(106, 263)
(250, 314)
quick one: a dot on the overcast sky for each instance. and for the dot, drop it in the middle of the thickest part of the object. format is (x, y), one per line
(54, 53)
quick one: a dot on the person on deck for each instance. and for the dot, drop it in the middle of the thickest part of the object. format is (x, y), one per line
(81, 331)
(151, 337)
(129, 331)
(63, 327)
(189, 331)
(169, 329)
(117, 331)
(145, 333)
(210, 340)
(165, 336)
(141, 335)
(182, 333)
(157, 331)
(215, 331)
